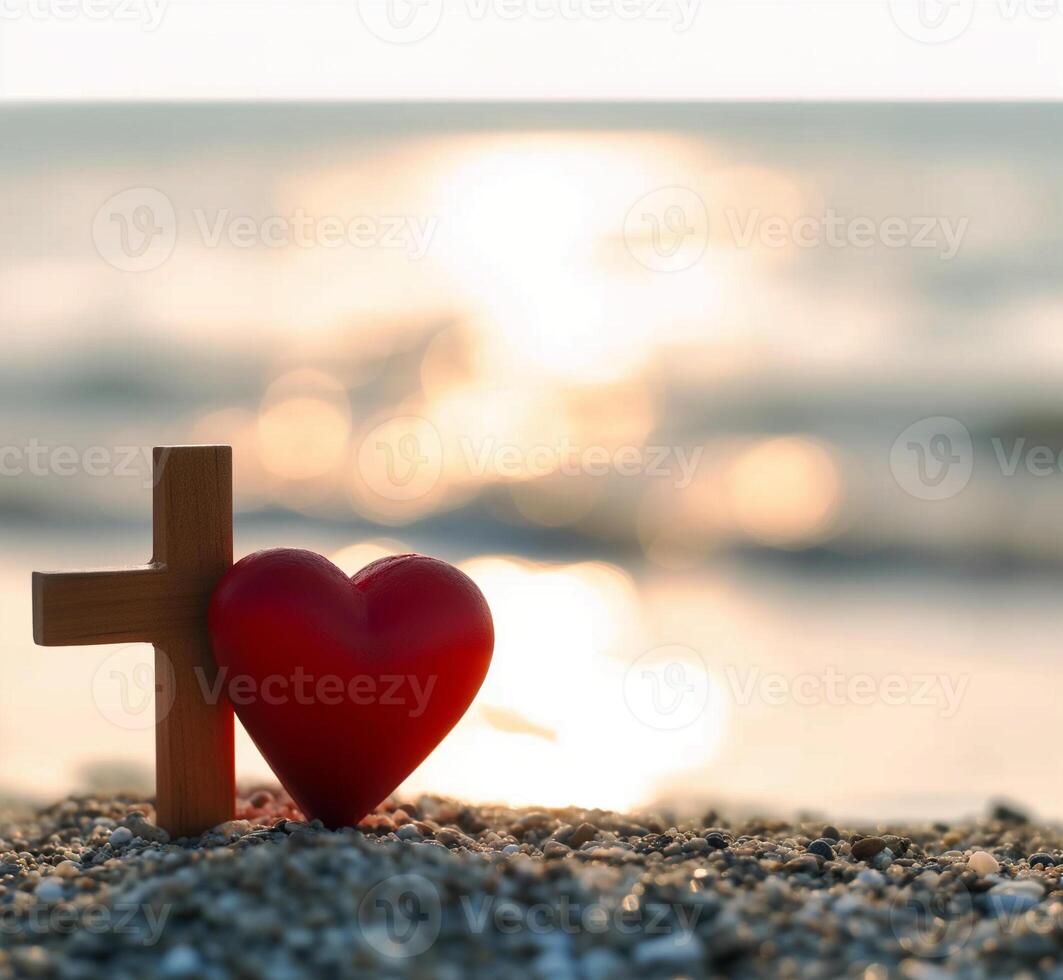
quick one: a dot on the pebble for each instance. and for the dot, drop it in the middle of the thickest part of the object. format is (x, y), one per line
(831, 834)
(144, 829)
(1007, 904)
(583, 833)
(120, 836)
(1019, 886)
(983, 863)
(807, 863)
(231, 828)
(1041, 858)
(669, 952)
(867, 847)
(883, 859)
(32, 960)
(601, 963)
(822, 848)
(554, 964)
(181, 961)
(49, 891)
(261, 799)
(451, 838)
(537, 818)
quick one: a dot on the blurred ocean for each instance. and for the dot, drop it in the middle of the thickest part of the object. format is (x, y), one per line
(767, 510)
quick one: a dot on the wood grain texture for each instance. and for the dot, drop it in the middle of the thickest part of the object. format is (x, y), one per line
(165, 603)
(195, 764)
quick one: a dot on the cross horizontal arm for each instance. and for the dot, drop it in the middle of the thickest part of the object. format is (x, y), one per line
(121, 605)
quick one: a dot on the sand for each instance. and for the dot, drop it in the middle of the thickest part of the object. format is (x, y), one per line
(435, 888)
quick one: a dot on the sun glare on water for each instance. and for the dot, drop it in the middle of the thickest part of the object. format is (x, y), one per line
(552, 724)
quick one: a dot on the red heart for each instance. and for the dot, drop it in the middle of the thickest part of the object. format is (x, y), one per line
(346, 684)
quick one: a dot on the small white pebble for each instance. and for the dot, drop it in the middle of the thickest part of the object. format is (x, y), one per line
(232, 828)
(120, 836)
(983, 863)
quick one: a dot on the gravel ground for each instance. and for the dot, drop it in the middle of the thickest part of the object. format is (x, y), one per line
(437, 889)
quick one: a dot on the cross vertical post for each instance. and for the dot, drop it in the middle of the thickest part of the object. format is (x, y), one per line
(165, 603)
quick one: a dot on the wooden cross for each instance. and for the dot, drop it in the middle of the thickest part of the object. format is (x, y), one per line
(165, 603)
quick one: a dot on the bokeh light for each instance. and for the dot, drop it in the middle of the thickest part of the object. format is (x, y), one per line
(303, 425)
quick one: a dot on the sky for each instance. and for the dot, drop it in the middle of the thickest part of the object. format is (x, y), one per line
(530, 49)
